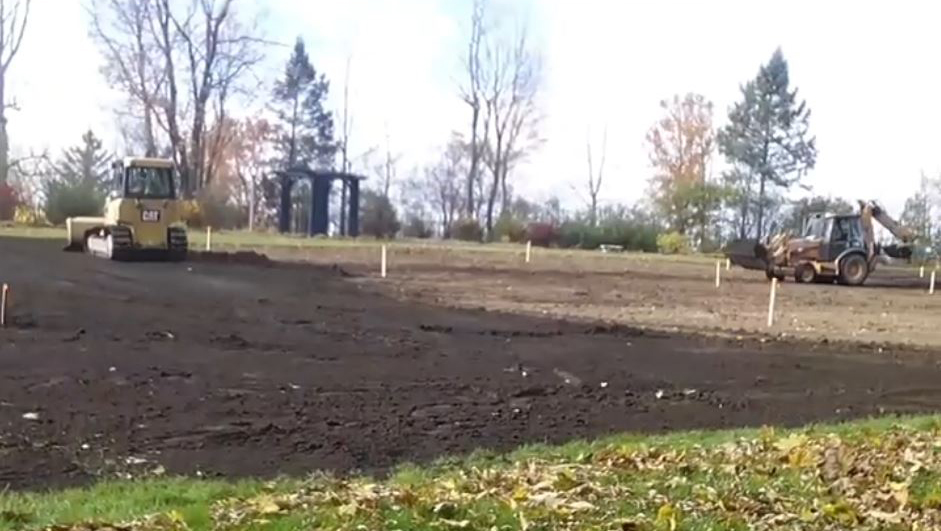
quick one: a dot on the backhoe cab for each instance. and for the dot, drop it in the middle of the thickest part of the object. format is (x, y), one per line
(142, 216)
(831, 248)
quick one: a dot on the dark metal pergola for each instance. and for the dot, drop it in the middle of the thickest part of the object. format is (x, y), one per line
(321, 181)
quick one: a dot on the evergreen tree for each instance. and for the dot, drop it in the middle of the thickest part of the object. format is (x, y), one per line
(917, 215)
(378, 216)
(79, 180)
(86, 164)
(305, 127)
(767, 140)
(803, 208)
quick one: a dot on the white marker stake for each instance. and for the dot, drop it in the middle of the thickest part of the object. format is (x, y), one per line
(718, 273)
(382, 264)
(208, 239)
(921, 272)
(728, 264)
(774, 290)
(3, 304)
(529, 251)
(931, 284)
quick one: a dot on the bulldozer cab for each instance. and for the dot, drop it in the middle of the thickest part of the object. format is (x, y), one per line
(134, 180)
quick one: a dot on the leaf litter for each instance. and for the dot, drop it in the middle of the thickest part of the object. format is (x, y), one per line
(867, 479)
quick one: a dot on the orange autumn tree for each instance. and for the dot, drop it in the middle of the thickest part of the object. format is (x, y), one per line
(241, 161)
(682, 143)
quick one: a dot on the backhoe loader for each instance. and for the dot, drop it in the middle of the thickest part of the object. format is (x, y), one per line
(839, 248)
(142, 215)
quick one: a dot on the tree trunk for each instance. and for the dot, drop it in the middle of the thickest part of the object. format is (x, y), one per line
(196, 150)
(150, 143)
(251, 203)
(474, 163)
(504, 194)
(177, 143)
(761, 207)
(344, 157)
(743, 222)
(445, 221)
(292, 148)
(146, 96)
(491, 202)
(4, 139)
(593, 219)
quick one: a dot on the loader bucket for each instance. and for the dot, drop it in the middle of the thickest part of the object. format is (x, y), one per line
(747, 253)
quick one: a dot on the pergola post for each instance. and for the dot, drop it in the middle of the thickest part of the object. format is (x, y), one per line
(320, 204)
(343, 207)
(284, 213)
(353, 208)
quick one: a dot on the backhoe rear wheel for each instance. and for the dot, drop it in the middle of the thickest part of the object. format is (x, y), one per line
(853, 270)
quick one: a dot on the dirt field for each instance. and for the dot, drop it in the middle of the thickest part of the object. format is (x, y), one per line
(221, 369)
(649, 291)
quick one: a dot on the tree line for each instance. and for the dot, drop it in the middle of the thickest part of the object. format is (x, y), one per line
(188, 71)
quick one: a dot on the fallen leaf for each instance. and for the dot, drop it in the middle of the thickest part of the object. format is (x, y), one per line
(457, 524)
(666, 517)
(580, 506)
(790, 442)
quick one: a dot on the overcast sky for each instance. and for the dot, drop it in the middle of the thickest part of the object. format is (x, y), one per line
(870, 72)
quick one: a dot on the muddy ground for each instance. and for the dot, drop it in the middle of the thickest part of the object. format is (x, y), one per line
(234, 370)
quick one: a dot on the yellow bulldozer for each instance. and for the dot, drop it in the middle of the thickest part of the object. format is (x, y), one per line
(142, 215)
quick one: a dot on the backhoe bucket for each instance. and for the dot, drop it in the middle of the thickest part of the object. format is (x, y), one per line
(902, 252)
(747, 253)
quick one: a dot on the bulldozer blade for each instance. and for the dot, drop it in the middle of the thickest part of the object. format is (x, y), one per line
(747, 253)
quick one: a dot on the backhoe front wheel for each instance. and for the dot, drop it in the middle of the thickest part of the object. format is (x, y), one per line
(805, 274)
(853, 270)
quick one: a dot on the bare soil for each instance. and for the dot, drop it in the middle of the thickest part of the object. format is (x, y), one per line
(675, 294)
(227, 369)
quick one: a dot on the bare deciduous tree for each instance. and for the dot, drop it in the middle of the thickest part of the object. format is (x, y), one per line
(442, 186)
(472, 94)
(595, 178)
(446, 188)
(122, 28)
(511, 111)
(251, 163)
(216, 54)
(13, 20)
(387, 169)
(179, 63)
